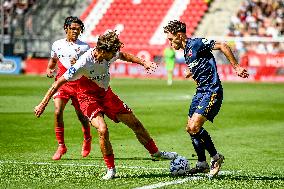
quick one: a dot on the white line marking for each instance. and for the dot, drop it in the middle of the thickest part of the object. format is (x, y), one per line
(79, 165)
(180, 181)
(161, 184)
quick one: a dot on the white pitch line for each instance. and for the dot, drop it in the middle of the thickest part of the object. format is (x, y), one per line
(78, 165)
(161, 184)
(180, 181)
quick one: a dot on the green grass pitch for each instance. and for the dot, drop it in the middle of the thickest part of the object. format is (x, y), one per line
(249, 131)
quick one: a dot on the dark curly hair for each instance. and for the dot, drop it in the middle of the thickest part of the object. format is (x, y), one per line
(175, 26)
(109, 42)
(73, 19)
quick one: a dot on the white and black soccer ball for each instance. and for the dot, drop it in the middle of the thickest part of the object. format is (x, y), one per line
(179, 166)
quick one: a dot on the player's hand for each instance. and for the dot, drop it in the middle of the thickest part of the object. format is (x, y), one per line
(240, 71)
(150, 66)
(187, 73)
(50, 73)
(39, 109)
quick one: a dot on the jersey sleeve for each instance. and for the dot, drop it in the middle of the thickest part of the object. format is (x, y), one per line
(205, 44)
(76, 71)
(53, 53)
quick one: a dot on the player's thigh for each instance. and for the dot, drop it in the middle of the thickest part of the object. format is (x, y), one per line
(114, 107)
(59, 104)
(129, 119)
(99, 123)
(194, 104)
(210, 105)
(78, 111)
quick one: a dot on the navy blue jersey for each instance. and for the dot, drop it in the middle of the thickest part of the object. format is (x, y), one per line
(201, 62)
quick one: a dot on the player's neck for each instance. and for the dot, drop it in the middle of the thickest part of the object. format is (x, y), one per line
(70, 40)
(96, 55)
(184, 39)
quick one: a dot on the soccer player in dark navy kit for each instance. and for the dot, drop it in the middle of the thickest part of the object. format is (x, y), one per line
(207, 101)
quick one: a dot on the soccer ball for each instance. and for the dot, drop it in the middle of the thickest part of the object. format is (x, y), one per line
(179, 166)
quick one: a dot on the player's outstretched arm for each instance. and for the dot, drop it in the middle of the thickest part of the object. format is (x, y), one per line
(148, 65)
(240, 71)
(50, 70)
(39, 109)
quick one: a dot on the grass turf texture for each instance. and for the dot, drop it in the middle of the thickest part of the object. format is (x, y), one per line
(249, 131)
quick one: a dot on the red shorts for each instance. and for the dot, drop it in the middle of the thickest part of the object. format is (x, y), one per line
(93, 102)
(67, 91)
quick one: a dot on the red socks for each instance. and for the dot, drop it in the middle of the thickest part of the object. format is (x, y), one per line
(151, 147)
(59, 133)
(109, 161)
(86, 132)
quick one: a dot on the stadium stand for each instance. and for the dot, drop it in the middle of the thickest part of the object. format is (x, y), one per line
(34, 24)
(140, 22)
(259, 19)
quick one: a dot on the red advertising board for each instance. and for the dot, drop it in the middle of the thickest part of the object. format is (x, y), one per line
(267, 68)
(269, 60)
(36, 66)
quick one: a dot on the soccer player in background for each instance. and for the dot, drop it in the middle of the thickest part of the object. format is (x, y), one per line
(64, 53)
(207, 101)
(97, 99)
(169, 58)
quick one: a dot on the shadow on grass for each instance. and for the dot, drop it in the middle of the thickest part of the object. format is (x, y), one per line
(250, 177)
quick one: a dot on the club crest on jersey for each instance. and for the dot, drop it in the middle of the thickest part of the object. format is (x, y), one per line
(71, 70)
(189, 53)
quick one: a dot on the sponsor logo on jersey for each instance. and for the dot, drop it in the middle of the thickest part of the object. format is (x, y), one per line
(99, 77)
(193, 64)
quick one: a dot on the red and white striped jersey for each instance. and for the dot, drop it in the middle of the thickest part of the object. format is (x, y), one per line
(66, 51)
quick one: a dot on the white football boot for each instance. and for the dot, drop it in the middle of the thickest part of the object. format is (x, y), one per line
(110, 174)
(216, 163)
(164, 155)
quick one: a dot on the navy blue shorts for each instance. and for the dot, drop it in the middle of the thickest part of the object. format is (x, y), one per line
(207, 104)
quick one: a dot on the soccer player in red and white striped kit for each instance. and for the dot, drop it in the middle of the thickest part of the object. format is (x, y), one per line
(97, 99)
(64, 53)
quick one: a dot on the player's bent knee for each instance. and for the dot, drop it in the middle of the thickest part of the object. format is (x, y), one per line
(192, 129)
(58, 112)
